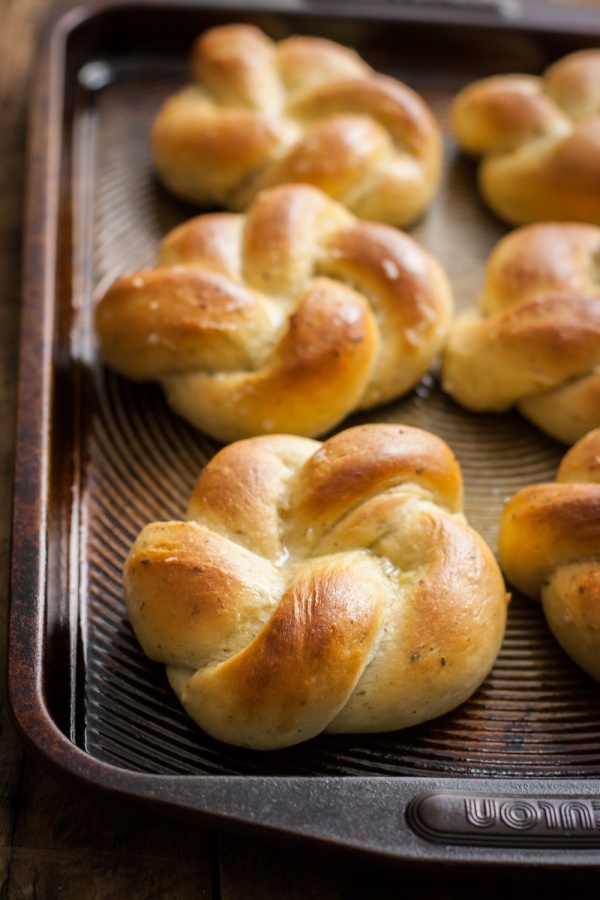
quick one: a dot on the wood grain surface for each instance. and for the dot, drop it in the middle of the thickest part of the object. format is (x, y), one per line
(57, 842)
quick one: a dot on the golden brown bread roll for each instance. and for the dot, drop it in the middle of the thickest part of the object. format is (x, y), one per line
(549, 545)
(539, 139)
(319, 586)
(285, 318)
(304, 109)
(534, 342)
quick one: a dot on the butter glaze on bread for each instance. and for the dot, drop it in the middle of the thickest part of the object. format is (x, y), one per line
(534, 341)
(319, 586)
(304, 109)
(286, 318)
(539, 140)
(549, 544)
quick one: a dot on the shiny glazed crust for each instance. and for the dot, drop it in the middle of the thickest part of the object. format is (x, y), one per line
(319, 586)
(539, 140)
(259, 113)
(549, 544)
(534, 342)
(285, 318)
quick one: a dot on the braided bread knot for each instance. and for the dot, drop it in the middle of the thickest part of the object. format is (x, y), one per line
(304, 109)
(285, 318)
(534, 342)
(319, 586)
(549, 546)
(539, 139)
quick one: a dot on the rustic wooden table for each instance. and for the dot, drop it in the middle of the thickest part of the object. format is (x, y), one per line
(54, 840)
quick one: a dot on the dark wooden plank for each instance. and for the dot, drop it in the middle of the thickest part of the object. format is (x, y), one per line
(71, 844)
(18, 35)
(252, 869)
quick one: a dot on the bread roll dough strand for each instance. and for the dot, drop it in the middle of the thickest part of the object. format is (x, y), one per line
(212, 243)
(291, 681)
(410, 297)
(238, 69)
(437, 638)
(573, 83)
(582, 462)
(549, 527)
(547, 180)
(359, 462)
(194, 597)
(315, 374)
(241, 66)
(538, 260)
(498, 114)
(572, 609)
(568, 411)
(160, 321)
(282, 238)
(206, 154)
(304, 62)
(494, 363)
(371, 144)
(249, 502)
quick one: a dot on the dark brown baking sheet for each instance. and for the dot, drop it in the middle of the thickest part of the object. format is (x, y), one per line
(512, 778)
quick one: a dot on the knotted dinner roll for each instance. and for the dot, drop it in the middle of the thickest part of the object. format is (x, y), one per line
(549, 546)
(535, 341)
(317, 587)
(285, 318)
(304, 109)
(539, 139)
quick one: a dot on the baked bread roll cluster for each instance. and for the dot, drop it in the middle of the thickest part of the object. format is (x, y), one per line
(549, 545)
(337, 586)
(539, 140)
(286, 318)
(260, 113)
(534, 341)
(319, 587)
